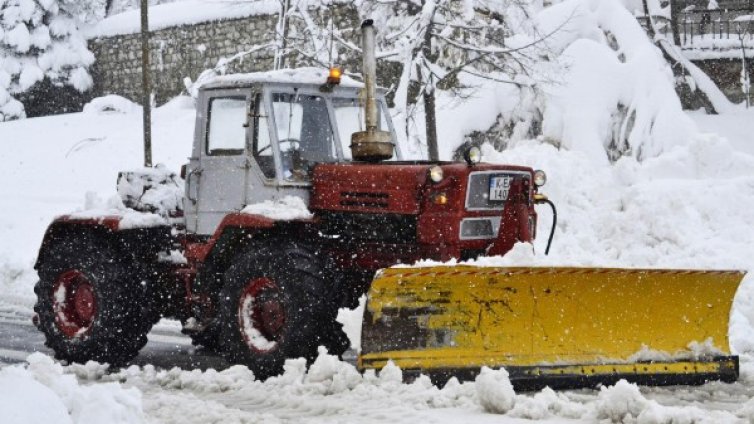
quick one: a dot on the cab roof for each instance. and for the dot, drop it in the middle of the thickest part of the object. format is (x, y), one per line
(302, 76)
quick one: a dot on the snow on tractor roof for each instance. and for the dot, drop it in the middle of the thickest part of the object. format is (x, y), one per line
(304, 76)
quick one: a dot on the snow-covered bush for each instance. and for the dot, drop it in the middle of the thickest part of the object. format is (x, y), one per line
(40, 39)
(111, 104)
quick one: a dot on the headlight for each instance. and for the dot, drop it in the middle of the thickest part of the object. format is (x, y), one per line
(435, 174)
(472, 155)
(540, 178)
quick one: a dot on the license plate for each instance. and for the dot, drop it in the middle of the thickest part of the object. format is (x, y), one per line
(499, 188)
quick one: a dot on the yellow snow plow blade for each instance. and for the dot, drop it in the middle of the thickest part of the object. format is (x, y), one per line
(561, 327)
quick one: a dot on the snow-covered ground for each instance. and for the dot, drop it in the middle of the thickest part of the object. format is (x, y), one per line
(690, 207)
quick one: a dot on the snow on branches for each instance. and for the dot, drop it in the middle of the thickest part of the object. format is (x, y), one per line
(439, 41)
(40, 39)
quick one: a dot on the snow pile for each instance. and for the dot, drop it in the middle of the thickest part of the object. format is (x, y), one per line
(621, 403)
(287, 208)
(197, 381)
(156, 190)
(547, 404)
(688, 208)
(328, 372)
(41, 392)
(111, 104)
(624, 403)
(495, 391)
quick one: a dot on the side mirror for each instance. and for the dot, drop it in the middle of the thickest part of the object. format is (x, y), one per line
(183, 171)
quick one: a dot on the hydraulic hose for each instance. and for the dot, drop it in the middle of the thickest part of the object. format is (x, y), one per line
(554, 223)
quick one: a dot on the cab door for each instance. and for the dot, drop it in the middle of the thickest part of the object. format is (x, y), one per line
(220, 178)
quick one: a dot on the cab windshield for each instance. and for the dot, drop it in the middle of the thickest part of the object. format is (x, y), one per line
(305, 131)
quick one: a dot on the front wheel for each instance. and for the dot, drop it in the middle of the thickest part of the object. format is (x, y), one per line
(273, 306)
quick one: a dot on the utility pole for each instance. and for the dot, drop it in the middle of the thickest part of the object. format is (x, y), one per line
(146, 84)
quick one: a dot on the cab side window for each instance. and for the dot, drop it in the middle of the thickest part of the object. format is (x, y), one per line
(226, 134)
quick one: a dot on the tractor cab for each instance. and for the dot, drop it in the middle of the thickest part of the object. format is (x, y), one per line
(258, 137)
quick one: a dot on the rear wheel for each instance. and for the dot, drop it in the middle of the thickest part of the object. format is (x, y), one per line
(90, 302)
(274, 305)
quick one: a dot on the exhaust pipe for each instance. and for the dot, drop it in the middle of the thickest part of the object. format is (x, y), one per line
(371, 145)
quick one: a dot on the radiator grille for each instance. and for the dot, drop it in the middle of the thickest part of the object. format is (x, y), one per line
(391, 228)
(365, 199)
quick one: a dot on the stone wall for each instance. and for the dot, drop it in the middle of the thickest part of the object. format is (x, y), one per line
(186, 51)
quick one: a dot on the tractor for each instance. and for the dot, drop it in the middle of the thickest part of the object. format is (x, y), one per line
(296, 193)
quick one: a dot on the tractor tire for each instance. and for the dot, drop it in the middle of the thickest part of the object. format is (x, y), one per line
(91, 302)
(273, 306)
(207, 339)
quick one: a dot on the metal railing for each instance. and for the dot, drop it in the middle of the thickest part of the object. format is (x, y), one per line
(714, 25)
(701, 26)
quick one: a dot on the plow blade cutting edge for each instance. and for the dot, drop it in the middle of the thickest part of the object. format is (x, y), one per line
(557, 327)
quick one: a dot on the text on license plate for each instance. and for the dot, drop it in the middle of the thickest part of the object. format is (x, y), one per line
(499, 188)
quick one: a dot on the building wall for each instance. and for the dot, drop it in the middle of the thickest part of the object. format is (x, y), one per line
(186, 51)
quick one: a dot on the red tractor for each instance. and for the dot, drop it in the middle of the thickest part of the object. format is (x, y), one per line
(258, 287)
(289, 208)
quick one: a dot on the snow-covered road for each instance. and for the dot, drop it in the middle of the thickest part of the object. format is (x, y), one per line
(166, 348)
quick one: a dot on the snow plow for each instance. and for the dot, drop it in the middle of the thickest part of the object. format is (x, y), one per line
(291, 202)
(557, 327)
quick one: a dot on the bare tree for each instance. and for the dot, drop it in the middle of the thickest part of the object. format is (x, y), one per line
(675, 9)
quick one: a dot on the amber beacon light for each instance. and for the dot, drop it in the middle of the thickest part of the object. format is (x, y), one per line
(334, 76)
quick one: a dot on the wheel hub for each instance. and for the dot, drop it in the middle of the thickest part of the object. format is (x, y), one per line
(261, 315)
(74, 303)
